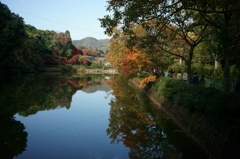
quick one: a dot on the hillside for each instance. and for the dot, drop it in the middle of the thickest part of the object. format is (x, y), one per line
(90, 42)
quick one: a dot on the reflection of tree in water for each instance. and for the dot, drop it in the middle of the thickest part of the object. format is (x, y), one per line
(13, 138)
(27, 95)
(132, 123)
(30, 94)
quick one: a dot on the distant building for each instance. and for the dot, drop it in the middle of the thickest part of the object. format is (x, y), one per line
(90, 57)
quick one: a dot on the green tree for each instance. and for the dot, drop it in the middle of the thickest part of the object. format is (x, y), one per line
(223, 16)
(168, 27)
(12, 36)
(189, 17)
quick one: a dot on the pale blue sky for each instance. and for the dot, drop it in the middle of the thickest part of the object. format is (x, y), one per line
(80, 17)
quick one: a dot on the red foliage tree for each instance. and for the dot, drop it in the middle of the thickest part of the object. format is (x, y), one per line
(75, 51)
(74, 59)
(90, 52)
(86, 61)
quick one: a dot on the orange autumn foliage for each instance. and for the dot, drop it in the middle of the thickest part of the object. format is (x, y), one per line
(134, 61)
(146, 80)
(108, 56)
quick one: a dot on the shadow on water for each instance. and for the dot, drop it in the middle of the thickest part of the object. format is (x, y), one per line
(13, 137)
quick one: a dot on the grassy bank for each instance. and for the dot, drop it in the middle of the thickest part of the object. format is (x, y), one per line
(209, 114)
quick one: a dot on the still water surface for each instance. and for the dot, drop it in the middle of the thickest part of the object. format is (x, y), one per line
(91, 117)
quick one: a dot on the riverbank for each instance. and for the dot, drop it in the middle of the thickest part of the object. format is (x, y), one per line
(79, 69)
(214, 138)
(176, 115)
(68, 68)
(100, 71)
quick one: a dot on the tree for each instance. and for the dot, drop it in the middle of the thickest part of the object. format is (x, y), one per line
(190, 17)
(116, 52)
(130, 61)
(135, 61)
(224, 18)
(12, 36)
(167, 27)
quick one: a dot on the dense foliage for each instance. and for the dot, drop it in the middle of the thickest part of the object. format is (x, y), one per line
(188, 35)
(24, 48)
(194, 98)
(12, 37)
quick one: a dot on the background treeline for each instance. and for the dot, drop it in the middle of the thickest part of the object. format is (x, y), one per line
(23, 48)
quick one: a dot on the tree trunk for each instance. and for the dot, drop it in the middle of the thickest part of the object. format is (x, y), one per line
(215, 64)
(180, 61)
(226, 72)
(227, 51)
(189, 64)
(189, 71)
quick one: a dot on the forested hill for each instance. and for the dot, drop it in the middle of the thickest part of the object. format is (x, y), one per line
(24, 48)
(90, 42)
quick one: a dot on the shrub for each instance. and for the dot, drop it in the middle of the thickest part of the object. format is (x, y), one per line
(194, 98)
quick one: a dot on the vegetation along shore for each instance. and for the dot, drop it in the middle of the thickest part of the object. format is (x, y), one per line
(185, 54)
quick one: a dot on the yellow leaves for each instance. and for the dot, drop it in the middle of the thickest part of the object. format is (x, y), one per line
(146, 80)
(192, 36)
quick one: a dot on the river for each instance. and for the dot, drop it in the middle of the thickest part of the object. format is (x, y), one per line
(85, 117)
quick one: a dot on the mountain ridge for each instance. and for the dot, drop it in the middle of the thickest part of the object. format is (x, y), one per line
(93, 43)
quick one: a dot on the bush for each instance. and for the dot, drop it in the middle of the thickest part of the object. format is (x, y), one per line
(207, 101)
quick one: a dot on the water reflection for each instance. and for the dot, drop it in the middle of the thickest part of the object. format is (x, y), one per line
(136, 129)
(27, 95)
(13, 137)
(144, 128)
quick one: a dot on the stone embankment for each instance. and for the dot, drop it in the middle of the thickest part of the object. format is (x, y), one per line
(100, 71)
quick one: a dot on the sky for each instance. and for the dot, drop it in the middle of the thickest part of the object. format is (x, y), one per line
(79, 17)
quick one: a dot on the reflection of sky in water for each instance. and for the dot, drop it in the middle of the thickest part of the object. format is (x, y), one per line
(75, 133)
